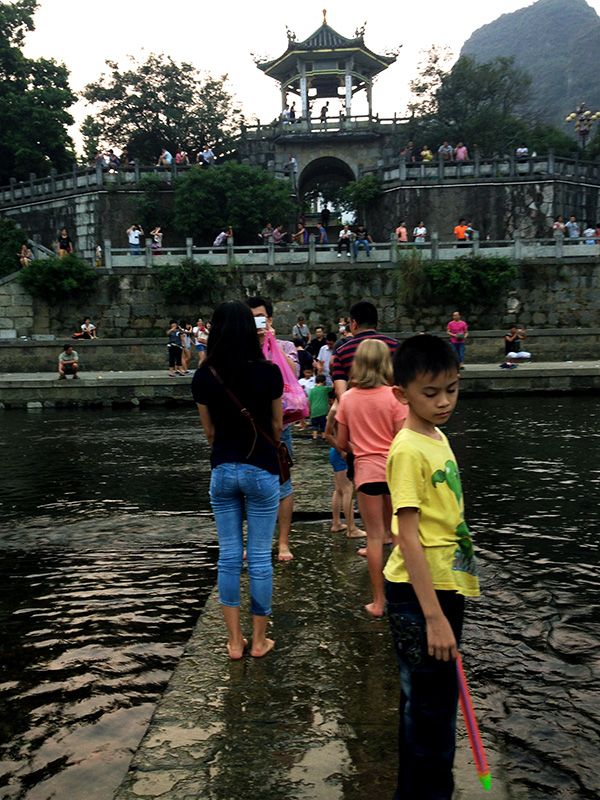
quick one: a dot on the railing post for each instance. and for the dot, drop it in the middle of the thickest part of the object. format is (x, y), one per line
(13, 183)
(32, 183)
(551, 162)
(107, 254)
(173, 171)
(230, 251)
(440, 168)
(517, 246)
(99, 175)
(53, 181)
(189, 244)
(475, 241)
(74, 173)
(512, 167)
(402, 166)
(435, 245)
(559, 244)
(136, 172)
(477, 162)
(148, 254)
(393, 249)
(271, 254)
(312, 250)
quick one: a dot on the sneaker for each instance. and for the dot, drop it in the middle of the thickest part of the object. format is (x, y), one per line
(75, 377)
(339, 255)
(348, 254)
(62, 377)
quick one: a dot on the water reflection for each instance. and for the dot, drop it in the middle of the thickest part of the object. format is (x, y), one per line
(108, 562)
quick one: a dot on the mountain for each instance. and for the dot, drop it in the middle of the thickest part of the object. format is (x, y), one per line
(558, 43)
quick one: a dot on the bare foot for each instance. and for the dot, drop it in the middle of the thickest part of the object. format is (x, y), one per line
(285, 554)
(355, 533)
(258, 651)
(362, 551)
(374, 610)
(339, 528)
(235, 653)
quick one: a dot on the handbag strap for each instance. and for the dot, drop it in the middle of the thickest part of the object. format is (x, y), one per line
(244, 412)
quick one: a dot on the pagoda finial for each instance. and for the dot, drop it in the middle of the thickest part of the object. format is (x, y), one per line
(324, 16)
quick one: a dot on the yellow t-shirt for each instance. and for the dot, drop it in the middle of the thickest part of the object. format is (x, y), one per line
(422, 473)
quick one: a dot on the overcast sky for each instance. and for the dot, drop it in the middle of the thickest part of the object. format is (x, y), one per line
(219, 37)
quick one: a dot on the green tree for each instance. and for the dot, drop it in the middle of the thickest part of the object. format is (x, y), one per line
(91, 130)
(11, 239)
(34, 101)
(160, 103)
(208, 200)
(360, 195)
(56, 280)
(479, 103)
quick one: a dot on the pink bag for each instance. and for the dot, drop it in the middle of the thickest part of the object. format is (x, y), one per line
(295, 403)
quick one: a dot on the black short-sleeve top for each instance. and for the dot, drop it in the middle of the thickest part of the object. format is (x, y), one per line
(255, 385)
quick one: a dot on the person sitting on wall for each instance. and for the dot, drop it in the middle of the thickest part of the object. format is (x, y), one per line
(68, 362)
(25, 255)
(88, 329)
(512, 347)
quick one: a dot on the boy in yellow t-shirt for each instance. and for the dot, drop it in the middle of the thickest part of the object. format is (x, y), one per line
(431, 569)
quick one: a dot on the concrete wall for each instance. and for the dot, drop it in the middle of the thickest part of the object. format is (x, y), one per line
(125, 355)
(497, 210)
(128, 304)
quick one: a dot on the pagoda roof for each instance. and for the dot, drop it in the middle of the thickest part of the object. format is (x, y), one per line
(324, 38)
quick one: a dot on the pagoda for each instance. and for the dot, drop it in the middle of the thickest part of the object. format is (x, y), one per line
(326, 65)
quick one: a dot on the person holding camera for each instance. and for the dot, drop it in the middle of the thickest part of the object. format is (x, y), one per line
(175, 348)
(238, 393)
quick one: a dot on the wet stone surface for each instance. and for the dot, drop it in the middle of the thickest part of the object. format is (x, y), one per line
(315, 719)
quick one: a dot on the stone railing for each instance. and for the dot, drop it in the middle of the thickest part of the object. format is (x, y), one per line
(390, 252)
(504, 168)
(94, 178)
(332, 124)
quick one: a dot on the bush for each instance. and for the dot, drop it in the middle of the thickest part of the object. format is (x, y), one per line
(469, 280)
(465, 281)
(11, 239)
(56, 280)
(190, 281)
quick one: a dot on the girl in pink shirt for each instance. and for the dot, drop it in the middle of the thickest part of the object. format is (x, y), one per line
(368, 418)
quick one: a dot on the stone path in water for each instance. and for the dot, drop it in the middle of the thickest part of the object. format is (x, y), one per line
(314, 720)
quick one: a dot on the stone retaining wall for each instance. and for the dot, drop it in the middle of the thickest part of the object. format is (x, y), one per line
(546, 294)
(483, 347)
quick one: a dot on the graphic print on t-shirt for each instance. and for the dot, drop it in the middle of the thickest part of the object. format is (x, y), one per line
(464, 557)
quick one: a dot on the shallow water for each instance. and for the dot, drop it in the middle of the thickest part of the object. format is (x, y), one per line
(108, 563)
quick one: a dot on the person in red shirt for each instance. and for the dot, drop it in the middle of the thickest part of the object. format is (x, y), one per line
(460, 231)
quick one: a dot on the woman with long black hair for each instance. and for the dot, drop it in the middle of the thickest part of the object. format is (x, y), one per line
(238, 393)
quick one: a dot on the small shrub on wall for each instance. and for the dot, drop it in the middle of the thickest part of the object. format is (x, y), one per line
(11, 239)
(57, 280)
(463, 282)
(190, 281)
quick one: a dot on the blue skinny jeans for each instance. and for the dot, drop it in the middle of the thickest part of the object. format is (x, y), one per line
(428, 697)
(235, 488)
(357, 244)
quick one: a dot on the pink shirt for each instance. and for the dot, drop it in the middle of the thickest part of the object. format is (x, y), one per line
(373, 416)
(461, 153)
(457, 326)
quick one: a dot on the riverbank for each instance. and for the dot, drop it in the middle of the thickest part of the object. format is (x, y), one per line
(39, 390)
(315, 720)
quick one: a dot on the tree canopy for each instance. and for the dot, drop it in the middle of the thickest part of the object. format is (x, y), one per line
(160, 103)
(34, 102)
(208, 200)
(480, 104)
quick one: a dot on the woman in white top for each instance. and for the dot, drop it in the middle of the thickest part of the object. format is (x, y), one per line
(419, 233)
(88, 329)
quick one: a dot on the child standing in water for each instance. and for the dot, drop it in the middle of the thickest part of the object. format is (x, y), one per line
(368, 418)
(430, 571)
(342, 499)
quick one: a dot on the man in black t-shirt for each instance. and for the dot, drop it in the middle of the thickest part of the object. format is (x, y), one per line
(317, 342)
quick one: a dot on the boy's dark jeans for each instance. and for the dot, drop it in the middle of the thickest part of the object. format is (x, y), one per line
(428, 697)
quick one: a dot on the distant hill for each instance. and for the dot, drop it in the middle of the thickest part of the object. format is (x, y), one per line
(558, 43)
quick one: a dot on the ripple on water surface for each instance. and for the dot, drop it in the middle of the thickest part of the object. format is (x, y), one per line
(108, 562)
